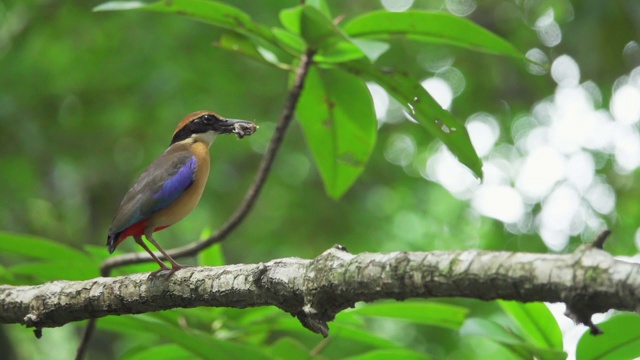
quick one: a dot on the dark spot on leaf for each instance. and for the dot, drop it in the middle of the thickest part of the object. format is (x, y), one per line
(350, 159)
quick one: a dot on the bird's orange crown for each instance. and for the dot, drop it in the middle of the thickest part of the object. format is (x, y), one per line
(194, 115)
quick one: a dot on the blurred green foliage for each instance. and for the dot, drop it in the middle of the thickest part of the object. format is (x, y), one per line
(88, 99)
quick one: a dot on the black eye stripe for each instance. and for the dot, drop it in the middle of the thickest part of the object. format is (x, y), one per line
(208, 118)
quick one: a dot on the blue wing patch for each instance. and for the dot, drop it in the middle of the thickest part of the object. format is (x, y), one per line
(176, 185)
(162, 183)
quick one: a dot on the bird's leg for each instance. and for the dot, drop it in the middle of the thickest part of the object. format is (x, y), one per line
(139, 241)
(174, 265)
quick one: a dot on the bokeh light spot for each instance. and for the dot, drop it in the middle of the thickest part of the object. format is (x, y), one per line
(484, 132)
(625, 104)
(565, 71)
(397, 5)
(400, 149)
(499, 202)
(380, 100)
(461, 7)
(440, 91)
(540, 172)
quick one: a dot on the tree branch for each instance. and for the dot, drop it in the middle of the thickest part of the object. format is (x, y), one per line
(590, 280)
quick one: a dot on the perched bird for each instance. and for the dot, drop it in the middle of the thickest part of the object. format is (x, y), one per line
(172, 185)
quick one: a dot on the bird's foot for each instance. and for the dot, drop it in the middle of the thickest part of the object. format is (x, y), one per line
(170, 270)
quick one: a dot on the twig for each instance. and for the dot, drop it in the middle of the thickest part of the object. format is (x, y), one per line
(241, 212)
(598, 243)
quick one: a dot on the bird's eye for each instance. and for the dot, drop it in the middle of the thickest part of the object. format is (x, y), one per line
(208, 119)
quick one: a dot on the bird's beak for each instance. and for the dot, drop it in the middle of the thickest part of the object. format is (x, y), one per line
(234, 126)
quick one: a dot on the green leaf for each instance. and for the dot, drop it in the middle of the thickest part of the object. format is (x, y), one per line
(219, 14)
(203, 345)
(538, 325)
(60, 269)
(165, 351)
(317, 28)
(353, 333)
(211, 256)
(425, 110)
(430, 27)
(337, 117)
(429, 313)
(320, 5)
(339, 51)
(319, 33)
(38, 248)
(289, 348)
(7, 278)
(390, 354)
(372, 49)
(345, 331)
(97, 253)
(290, 19)
(502, 335)
(621, 340)
(307, 21)
(479, 347)
(289, 41)
(240, 44)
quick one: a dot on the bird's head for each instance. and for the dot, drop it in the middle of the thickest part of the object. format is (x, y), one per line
(203, 126)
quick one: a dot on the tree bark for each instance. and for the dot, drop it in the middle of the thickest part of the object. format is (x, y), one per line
(589, 281)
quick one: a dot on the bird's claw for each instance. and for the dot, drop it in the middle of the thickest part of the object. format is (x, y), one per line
(171, 270)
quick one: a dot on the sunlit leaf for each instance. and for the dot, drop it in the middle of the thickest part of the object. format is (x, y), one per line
(219, 14)
(502, 335)
(319, 33)
(320, 5)
(430, 27)
(373, 49)
(240, 44)
(425, 110)
(337, 117)
(429, 313)
(621, 340)
(479, 347)
(536, 322)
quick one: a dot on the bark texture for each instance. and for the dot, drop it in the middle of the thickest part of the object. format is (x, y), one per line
(588, 281)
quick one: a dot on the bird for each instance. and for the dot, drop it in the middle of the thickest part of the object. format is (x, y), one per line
(171, 187)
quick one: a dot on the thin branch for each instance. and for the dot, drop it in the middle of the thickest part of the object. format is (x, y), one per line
(316, 290)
